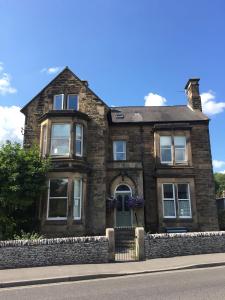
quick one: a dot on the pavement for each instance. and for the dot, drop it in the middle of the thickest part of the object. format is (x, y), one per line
(65, 273)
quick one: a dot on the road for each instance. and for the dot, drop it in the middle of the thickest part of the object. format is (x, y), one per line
(187, 284)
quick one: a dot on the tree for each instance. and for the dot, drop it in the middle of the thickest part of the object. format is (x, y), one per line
(22, 179)
(219, 184)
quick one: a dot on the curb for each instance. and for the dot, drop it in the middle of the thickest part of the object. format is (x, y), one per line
(101, 276)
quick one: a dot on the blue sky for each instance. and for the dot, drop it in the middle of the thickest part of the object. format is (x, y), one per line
(129, 51)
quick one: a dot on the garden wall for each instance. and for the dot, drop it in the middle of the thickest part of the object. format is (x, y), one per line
(57, 251)
(178, 244)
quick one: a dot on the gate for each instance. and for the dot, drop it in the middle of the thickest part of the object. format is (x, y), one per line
(125, 244)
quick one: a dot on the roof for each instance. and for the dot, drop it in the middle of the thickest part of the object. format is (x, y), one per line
(153, 114)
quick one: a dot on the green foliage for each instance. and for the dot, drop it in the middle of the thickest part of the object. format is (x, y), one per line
(28, 236)
(22, 180)
(219, 184)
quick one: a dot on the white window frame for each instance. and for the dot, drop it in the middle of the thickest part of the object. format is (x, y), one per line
(185, 150)
(58, 218)
(171, 150)
(169, 199)
(124, 150)
(81, 139)
(77, 198)
(61, 103)
(64, 155)
(189, 201)
(67, 102)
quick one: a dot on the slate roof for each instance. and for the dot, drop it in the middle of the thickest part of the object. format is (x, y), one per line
(154, 114)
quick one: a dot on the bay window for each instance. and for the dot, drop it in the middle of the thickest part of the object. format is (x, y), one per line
(79, 140)
(77, 199)
(44, 140)
(57, 199)
(60, 139)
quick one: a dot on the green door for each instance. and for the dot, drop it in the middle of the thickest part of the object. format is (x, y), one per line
(123, 212)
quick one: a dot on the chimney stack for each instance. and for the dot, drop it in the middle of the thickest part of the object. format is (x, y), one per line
(192, 92)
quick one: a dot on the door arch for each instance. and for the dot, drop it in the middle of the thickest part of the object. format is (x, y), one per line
(123, 213)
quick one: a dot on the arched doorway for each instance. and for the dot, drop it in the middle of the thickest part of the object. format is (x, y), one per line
(123, 211)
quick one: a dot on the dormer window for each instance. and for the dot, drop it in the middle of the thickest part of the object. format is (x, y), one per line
(58, 102)
(72, 102)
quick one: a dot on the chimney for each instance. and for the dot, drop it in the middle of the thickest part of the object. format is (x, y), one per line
(192, 92)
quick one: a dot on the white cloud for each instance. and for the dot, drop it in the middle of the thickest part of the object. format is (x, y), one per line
(5, 82)
(154, 100)
(217, 164)
(11, 123)
(222, 172)
(209, 105)
(1, 66)
(51, 70)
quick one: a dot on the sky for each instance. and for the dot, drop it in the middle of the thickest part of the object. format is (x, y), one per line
(132, 52)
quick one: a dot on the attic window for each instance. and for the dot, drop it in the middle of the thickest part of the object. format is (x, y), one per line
(119, 115)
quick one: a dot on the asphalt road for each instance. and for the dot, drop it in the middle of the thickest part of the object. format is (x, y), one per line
(187, 284)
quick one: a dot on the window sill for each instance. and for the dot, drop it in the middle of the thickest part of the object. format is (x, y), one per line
(186, 219)
(173, 166)
(77, 222)
(56, 221)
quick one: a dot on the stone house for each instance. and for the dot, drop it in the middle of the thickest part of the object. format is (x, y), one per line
(101, 153)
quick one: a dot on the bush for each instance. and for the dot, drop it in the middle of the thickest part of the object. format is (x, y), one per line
(22, 180)
(28, 236)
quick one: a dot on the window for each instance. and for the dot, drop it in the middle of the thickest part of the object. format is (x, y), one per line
(60, 139)
(77, 200)
(169, 210)
(166, 149)
(119, 150)
(72, 102)
(58, 102)
(173, 149)
(183, 197)
(178, 203)
(180, 149)
(79, 140)
(57, 200)
(44, 140)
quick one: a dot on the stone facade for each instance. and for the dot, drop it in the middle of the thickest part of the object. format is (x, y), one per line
(49, 252)
(180, 244)
(142, 171)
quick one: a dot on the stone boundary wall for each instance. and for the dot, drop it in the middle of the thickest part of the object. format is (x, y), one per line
(57, 251)
(178, 244)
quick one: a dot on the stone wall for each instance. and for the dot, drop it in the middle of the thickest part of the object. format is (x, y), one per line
(59, 251)
(179, 244)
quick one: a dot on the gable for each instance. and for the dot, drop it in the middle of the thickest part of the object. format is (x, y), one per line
(65, 82)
